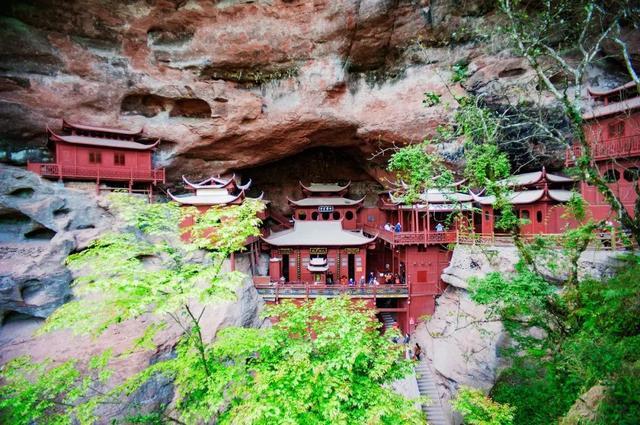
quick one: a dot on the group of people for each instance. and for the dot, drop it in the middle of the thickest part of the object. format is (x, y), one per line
(398, 227)
(372, 279)
(386, 278)
(391, 228)
(416, 353)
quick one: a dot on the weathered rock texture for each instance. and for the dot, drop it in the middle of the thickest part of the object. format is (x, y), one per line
(63, 345)
(40, 224)
(462, 342)
(233, 84)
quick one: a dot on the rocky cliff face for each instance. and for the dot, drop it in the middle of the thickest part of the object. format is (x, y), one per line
(235, 84)
(462, 341)
(40, 224)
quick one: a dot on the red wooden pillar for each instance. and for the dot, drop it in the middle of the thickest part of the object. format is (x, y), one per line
(233, 261)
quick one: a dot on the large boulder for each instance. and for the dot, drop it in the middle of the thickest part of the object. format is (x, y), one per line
(41, 223)
(462, 341)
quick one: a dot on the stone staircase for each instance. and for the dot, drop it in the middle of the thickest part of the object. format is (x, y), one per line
(388, 320)
(427, 386)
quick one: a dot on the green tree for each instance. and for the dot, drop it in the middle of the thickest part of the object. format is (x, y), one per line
(147, 269)
(323, 362)
(478, 409)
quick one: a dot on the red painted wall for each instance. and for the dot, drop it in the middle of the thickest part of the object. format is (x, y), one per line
(348, 215)
(623, 186)
(77, 155)
(337, 259)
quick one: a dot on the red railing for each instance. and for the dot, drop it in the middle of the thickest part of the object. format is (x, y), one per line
(601, 241)
(96, 173)
(413, 238)
(275, 291)
(608, 149)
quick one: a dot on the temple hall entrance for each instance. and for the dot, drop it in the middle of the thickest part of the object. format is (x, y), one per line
(285, 267)
(351, 266)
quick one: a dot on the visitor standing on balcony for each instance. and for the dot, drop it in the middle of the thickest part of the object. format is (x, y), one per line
(439, 228)
(398, 227)
(388, 227)
(362, 280)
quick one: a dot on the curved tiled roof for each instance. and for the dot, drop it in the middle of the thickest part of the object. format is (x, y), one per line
(325, 187)
(436, 196)
(221, 198)
(516, 198)
(560, 195)
(317, 233)
(597, 93)
(314, 202)
(67, 125)
(612, 108)
(99, 141)
(211, 182)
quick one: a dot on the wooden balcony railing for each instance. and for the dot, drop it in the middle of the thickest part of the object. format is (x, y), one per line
(608, 149)
(275, 291)
(413, 238)
(97, 173)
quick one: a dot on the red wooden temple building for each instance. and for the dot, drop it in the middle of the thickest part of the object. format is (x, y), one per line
(216, 192)
(103, 155)
(324, 245)
(324, 254)
(414, 241)
(612, 129)
(537, 197)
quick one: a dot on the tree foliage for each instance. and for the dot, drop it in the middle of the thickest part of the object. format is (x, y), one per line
(567, 342)
(478, 409)
(323, 362)
(146, 269)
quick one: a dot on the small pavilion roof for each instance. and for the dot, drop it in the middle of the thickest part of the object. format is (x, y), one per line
(612, 108)
(325, 187)
(66, 125)
(526, 179)
(212, 197)
(100, 141)
(606, 92)
(318, 233)
(317, 201)
(436, 196)
(516, 198)
(527, 196)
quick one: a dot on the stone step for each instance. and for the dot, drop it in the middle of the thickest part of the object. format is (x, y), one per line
(427, 387)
